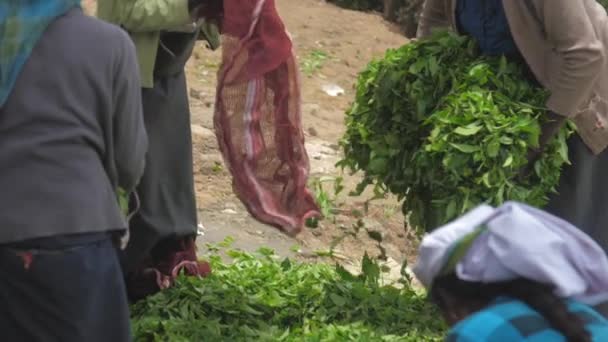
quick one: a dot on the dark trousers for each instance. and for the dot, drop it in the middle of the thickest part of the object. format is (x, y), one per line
(64, 290)
(166, 190)
(582, 197)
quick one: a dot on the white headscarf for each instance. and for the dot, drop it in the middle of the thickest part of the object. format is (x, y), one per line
(519, 242)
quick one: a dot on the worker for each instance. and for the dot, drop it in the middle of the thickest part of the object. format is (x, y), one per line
(562, 43)
(71, 134)
(164, 229)
(493, 283)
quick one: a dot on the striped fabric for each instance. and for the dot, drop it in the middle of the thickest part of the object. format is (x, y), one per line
(258, 119)
(21, 25)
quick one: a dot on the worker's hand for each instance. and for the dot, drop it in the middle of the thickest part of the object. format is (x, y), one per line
(212, 10)
(548, 131)
(193, 5)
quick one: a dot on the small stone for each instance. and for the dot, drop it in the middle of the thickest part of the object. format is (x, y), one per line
(229, 211)
(372, 224)
(332, 90)
(311, 108)
(342, 218)
(230, 205)
(313, 132)
(196, 94)
(200, 230)
(201, 131)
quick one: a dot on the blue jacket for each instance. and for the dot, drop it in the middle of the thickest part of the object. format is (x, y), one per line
(485, 20)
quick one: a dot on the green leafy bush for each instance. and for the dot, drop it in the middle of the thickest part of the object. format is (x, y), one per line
(259, 298)
(404, 13)
(447, 130)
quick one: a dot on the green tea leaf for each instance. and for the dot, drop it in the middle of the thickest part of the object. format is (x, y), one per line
(338, 300)
(468, 130)
(493, 148)
(465, 148)
(508, 162)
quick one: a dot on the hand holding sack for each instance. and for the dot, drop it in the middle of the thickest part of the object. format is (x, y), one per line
(209, 10)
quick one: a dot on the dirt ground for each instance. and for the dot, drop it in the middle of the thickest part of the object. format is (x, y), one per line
(333, 45)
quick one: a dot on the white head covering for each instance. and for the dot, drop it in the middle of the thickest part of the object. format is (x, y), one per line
(519, 242)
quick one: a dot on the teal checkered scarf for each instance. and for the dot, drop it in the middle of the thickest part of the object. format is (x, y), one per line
(22, 23)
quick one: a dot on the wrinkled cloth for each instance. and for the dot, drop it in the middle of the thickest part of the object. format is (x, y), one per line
(258, 119)
(72, 126)
(144, 21)
(517, 241)
(21, 26)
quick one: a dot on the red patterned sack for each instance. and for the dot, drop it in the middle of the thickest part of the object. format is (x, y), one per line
(257, 116)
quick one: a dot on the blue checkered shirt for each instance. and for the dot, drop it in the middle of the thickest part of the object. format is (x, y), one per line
(510, 320)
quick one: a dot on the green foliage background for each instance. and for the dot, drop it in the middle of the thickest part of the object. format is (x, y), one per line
(405, 13)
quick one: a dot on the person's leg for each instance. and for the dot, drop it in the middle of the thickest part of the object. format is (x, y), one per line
(173, 256)
(166, 190)
(582, 197)
(162, 233)
(67, 294)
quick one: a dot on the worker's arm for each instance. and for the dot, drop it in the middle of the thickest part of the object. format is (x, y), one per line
(572, 36)
(146, 15)
(130, 141)
(434, 15)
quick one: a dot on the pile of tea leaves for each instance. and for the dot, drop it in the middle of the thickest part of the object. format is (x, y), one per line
(259, 297)
(446, 129)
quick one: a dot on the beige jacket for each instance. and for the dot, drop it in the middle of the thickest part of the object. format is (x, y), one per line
(565, 44)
